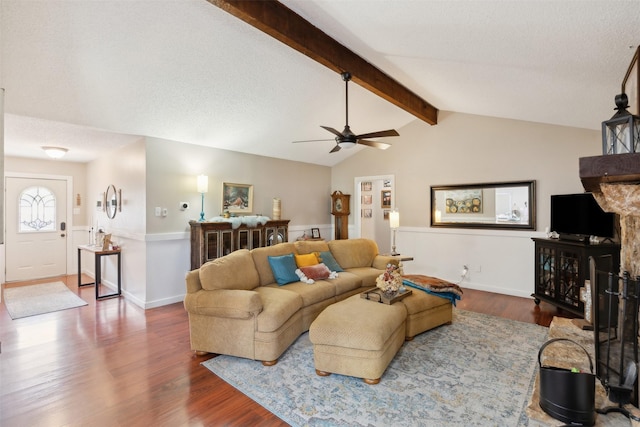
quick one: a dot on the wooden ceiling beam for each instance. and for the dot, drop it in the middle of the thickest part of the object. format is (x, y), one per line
(280, 22)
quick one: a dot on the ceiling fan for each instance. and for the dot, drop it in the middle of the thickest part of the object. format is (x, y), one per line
(348, 139)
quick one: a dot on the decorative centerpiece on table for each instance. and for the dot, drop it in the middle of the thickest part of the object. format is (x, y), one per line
(390, 282)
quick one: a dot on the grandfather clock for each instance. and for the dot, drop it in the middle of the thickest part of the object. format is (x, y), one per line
(340, 209)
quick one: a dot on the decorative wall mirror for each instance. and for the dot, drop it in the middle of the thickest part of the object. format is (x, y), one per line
(111, 201)
(504, 205)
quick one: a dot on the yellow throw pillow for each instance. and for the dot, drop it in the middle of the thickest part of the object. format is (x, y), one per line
(306, 260)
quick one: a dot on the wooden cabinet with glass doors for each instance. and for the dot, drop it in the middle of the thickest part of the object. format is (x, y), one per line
(211, 240)
(561, 268)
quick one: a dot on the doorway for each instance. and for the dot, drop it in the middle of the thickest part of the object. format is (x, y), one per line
(36, 226)
(372, 207)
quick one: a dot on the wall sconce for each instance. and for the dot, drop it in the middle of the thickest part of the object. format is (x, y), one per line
(621, 133)
(55, 152)
(203, 187)
(394, 224)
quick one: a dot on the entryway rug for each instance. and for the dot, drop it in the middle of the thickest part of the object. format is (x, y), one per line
(25, 301)
(478, 371)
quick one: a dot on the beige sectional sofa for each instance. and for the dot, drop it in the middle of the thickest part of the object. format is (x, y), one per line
(236, 307)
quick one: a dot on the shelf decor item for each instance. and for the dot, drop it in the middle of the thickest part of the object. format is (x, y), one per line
(203, 187)
(390, 281)
(394, 224)
(277, 208)
(621, 133)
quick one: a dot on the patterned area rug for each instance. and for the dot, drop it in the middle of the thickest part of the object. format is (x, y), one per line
(25, 301)
(478, 371)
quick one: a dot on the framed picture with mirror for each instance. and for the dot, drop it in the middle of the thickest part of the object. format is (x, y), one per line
(503, 205)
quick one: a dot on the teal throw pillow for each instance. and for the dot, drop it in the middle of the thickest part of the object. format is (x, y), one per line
(284, 269)
(330, 261)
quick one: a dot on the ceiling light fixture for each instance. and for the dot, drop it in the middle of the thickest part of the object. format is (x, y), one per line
(346, 144)
(55, 152)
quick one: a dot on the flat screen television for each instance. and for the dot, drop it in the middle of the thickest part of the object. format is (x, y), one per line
(578, 216)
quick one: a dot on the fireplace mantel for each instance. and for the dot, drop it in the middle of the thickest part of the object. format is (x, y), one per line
(614, 181)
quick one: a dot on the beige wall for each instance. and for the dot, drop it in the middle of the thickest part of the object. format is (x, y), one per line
(463, 149)
(466, 148)
(172, 168)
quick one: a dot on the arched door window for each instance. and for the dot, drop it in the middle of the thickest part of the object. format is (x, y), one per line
(37, 210)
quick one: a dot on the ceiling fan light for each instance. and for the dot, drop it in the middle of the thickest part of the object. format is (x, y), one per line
(55, 152)
(346, 144)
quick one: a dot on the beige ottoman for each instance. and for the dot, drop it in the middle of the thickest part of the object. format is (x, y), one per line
(425, 312)
(357, 337)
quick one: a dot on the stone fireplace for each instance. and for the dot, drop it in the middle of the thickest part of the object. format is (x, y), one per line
(614, 180)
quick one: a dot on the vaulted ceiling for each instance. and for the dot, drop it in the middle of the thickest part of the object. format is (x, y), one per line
(91, 75)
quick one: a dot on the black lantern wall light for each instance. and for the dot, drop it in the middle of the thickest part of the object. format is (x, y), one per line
(621, 133)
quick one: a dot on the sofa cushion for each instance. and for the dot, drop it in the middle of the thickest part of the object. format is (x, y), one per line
(316, 272)
(278, 305)
(322, 290)
(310, 246)
(262, 262)
(346, 282)
(327, 259)
(305, 260)
(233, 271)
(283, 268)
(352, 253)
(368, 275)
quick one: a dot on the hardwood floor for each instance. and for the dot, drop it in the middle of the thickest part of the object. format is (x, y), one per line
(112, 363)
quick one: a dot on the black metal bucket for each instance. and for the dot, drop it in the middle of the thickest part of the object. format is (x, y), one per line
(566, 395)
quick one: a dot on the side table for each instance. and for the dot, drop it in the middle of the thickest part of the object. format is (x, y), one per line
(402, 258)
(98, 254)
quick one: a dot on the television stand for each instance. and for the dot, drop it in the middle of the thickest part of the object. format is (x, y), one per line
(574, 237)
(561, 268)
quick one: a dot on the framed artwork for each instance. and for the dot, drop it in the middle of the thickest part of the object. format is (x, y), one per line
(237, 198)
(386, 183)
(367, 213)
(631, 84)
(385, 214)
(315, 233)
(385, 199)
(367, 199)
(463, 201)
(365, 186)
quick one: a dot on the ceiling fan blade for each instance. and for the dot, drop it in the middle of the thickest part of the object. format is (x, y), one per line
(382, 133)
(374, 144)
(336, 148)
(332, 130)
(313, 140)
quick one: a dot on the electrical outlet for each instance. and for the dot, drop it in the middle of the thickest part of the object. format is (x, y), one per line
(158, 211)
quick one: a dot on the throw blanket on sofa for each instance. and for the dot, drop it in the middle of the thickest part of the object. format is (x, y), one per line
(434, 286)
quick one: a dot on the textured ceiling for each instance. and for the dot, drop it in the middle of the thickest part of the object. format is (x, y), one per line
(90, 75)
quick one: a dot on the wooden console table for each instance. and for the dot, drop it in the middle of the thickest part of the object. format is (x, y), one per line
(98, 254)
(211, 240)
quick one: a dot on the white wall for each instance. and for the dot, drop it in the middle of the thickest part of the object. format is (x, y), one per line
(464, 149)
(125, 168)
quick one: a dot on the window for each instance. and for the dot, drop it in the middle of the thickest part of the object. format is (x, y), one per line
(37, 210)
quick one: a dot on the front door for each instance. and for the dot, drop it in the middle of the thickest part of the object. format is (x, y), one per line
(36, 232)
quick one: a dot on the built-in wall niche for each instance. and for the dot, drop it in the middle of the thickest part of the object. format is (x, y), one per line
(504, 205)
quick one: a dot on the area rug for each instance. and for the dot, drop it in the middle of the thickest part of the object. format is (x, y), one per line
(478, 371)
(25, 301)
